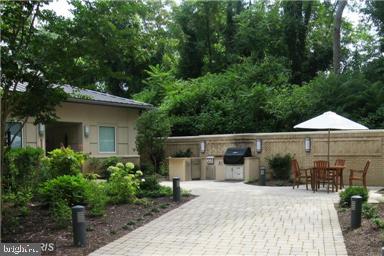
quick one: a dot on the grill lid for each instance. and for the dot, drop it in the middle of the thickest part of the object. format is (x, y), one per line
(236, 155)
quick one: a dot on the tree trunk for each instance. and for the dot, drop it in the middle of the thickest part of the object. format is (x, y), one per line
(336, 36)
(208, 28)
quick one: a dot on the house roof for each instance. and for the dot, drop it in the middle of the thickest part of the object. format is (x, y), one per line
(94, 97)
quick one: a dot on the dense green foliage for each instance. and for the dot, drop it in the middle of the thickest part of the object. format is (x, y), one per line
(280, 165)
(14, 205)
(66, 188)
(211, 66)
(65, 161)
(345, 196)
(181, 153)
(23, 166)
(100, 166)
(259, 98)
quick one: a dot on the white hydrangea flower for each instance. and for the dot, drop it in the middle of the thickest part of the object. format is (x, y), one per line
(130, 165)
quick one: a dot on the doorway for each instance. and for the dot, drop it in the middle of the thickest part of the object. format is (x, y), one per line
(65, 134)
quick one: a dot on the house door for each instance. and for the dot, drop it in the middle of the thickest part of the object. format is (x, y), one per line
(65, 134)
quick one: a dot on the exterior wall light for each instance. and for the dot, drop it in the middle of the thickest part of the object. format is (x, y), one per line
(86, 131)
(307, 144)
(41, 129)
(202, 147)
(259, 145)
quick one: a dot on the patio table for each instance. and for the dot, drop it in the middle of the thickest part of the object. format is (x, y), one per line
(339, 175)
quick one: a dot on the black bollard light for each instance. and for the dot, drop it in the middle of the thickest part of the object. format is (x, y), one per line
(176, 189)
(382, 251)
(356, 205)
(79, 225)
(262, 174)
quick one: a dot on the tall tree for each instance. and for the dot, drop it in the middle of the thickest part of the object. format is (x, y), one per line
(21, 66)
(201, 44)
(110, 44)
(297, 15)
(376, 10)
(233, 9)
(336, 35)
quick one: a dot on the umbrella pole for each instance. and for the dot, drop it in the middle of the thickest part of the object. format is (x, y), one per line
(329, 142)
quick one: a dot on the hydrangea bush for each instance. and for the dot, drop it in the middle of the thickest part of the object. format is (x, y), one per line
(124, 183)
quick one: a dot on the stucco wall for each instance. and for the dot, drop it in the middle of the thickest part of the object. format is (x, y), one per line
(123, 119)
(356, 147)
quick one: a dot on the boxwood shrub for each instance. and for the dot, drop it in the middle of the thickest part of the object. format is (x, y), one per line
(345, 196)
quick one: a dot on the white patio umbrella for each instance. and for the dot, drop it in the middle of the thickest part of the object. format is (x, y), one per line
(330, 121)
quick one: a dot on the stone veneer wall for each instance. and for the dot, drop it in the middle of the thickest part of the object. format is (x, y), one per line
(356, 147)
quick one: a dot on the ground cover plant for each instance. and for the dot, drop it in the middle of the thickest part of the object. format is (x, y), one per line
(56, 184)
(367, 239)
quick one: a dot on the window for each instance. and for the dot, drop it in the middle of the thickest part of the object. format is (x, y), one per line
(12, 129)
(107, 139)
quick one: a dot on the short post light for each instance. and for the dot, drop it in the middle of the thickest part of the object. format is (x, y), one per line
(176, 189)
(79, 225)
(356, 205)
(262, 174)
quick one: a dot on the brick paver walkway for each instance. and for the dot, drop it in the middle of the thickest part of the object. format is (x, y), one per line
(239, 219)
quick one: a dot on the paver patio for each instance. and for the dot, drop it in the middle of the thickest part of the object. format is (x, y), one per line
(239, 219)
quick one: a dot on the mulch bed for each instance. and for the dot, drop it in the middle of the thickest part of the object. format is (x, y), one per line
(366, 240)
(119, 220)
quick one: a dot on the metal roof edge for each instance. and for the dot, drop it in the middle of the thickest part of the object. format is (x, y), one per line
(108, 103)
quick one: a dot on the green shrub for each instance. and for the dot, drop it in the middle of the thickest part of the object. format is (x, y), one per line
(370, 211)
(181, 153)
(281, 165)
(22, 168)
(147, 169)
(150, 183)
(164, 170)
(106, 163)
(162, 191)
(61, 213)
(69, 189)
(13, 206)
(378, 222)
(345, 196)
(96, 198)
(94, 165)
(65, 161)
(123, 183)
(150, 187)
(91, 176)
